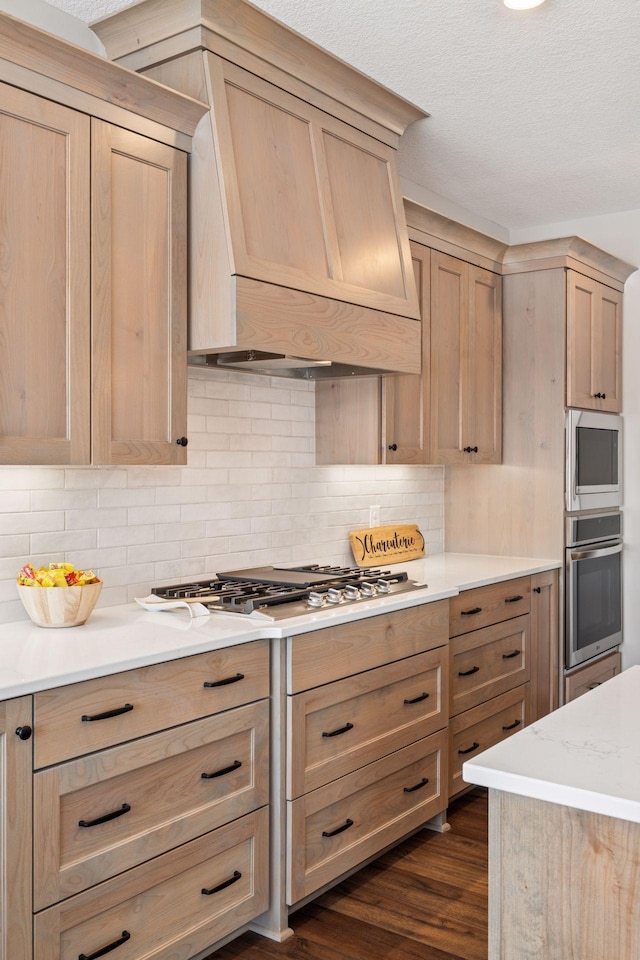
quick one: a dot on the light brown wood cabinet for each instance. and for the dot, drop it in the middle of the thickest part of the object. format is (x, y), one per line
(16, 825)
(452, 411)
(93, 313)
(366, 740)
(158, 830)
(305, 251)
(591, 675)
(494, 657)
(466, 362)
(594, 344)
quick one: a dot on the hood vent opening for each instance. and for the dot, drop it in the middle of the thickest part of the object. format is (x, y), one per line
(280, 365)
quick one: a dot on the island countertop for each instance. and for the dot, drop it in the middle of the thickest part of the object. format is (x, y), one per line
(123, 637)
(586, 755)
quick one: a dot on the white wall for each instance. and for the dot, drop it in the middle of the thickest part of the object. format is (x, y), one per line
(49, 18)
(250, 494)
(619, 233)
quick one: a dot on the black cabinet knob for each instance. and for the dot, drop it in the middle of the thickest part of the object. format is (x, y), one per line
(182, 441)
(393, 446)
(24, 732)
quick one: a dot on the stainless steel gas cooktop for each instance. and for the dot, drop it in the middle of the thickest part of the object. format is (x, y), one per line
(277, 593)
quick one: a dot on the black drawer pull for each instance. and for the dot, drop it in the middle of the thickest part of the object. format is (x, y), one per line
(468, 673)
(105, 950)
(225, 682)
(336, 733)
(510, 656)
(108, 816)
(221, 886)
(598, 683)
(333, 833)
(469, 613)
(109, 713)
(512, 726)
(470, 749)
(423, 783)
(423, 696)
(513, 599)
(221, 773)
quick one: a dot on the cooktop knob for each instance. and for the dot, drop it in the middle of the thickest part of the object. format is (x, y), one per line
(351, 592)
(315, 599)
(333, 595)
(382, 586)
(368, 589)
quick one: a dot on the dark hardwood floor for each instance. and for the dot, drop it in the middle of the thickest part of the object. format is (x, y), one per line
(424, 900)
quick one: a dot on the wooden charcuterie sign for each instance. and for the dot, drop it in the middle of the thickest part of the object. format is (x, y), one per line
(391, 544)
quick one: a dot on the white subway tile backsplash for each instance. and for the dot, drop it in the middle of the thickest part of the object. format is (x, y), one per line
(249, 495)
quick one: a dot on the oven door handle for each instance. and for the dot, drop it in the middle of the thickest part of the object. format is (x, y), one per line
(592, 554)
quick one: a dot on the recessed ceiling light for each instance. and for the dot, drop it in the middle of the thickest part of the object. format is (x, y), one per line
(522, 4)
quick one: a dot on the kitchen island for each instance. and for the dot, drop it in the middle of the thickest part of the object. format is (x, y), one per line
(564, 830)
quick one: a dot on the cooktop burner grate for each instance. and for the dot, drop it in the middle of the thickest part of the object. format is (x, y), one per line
(301, 588)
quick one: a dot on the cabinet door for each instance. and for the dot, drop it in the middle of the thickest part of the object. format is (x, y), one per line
(406, 406)
(449, 329)
(482, 425)
(594, 344)
(16, 831)
(466, 362)
(44, 282)
(138, 298)
(313, 203)
(545, 644)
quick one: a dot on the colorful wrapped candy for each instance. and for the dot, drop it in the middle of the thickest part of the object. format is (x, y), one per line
(55, 575)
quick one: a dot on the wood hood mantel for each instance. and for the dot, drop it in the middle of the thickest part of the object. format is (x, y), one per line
(298, 241)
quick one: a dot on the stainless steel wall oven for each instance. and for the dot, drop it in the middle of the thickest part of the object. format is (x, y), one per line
(593, 585)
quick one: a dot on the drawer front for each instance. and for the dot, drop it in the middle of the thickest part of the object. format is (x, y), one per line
(153, 794)
(337, 652)
(334, 729)
(488, 662)
(338, 826)
(161, 906)
(587, 678)
(145, 700)
(481, 728)
(477, 608)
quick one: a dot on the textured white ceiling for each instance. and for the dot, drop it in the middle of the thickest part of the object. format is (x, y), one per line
(535, 116)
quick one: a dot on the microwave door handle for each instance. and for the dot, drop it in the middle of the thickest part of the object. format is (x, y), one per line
(592, 554)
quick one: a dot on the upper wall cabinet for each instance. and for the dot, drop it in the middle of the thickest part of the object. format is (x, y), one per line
(466, 362)
(93, 272)
(298, 239)
(452, 411)
(594, 344)
(593, 316)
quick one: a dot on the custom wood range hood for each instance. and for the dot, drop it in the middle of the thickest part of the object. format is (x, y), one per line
(298, 243)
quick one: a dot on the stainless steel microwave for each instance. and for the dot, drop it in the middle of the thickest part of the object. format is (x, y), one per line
(594, 460)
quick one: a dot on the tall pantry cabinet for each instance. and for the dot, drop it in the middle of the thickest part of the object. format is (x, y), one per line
(93, 272)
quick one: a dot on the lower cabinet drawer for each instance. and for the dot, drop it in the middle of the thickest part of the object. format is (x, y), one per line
(93, 714)
(334, 729)
(488, 662)
(592, 675)
(170, 908)
(338, 826)
(100, 815)
(476, 730)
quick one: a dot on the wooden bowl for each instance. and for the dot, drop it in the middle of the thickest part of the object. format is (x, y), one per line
(60, 606)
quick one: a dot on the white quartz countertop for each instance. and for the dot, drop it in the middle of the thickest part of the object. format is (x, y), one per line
(120, 638)
(585, 755)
